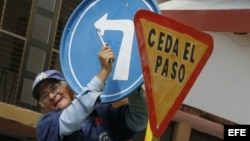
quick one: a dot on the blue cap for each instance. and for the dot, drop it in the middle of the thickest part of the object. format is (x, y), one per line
(43, 76)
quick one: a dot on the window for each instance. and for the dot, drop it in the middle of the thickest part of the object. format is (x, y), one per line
(13, 29)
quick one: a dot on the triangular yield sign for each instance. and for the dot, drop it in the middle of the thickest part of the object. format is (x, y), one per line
(172, 56)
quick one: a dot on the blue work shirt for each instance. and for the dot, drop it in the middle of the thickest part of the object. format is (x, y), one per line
(86, 119)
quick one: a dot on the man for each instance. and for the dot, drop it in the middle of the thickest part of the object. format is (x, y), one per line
(83, 117)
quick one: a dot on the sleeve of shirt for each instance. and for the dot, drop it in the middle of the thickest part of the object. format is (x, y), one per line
(137, 115)
(73, 117)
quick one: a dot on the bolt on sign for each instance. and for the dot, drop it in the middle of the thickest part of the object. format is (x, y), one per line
(172, 56)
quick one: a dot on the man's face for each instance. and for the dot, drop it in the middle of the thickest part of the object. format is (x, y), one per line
(54, 95)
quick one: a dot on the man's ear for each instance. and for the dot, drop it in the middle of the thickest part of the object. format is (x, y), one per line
(72, 93)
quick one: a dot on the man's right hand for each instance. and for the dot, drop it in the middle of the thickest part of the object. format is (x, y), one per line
(105, 56)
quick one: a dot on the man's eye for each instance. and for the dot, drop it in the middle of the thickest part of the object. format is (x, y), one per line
(44, 96)
(54, 88)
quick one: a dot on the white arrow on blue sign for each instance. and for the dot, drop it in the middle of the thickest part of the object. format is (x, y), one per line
(80, 45)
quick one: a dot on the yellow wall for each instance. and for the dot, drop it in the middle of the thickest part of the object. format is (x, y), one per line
(18, 114)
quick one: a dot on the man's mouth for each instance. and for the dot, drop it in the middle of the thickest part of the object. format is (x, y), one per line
(58, 101)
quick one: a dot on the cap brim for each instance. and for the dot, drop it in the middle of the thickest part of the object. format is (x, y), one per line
(34, 92)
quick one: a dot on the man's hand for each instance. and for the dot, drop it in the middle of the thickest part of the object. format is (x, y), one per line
(105, 56)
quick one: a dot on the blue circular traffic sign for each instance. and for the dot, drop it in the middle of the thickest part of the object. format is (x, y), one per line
(80, 45)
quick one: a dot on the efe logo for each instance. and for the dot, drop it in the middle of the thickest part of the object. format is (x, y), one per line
(237, 132)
